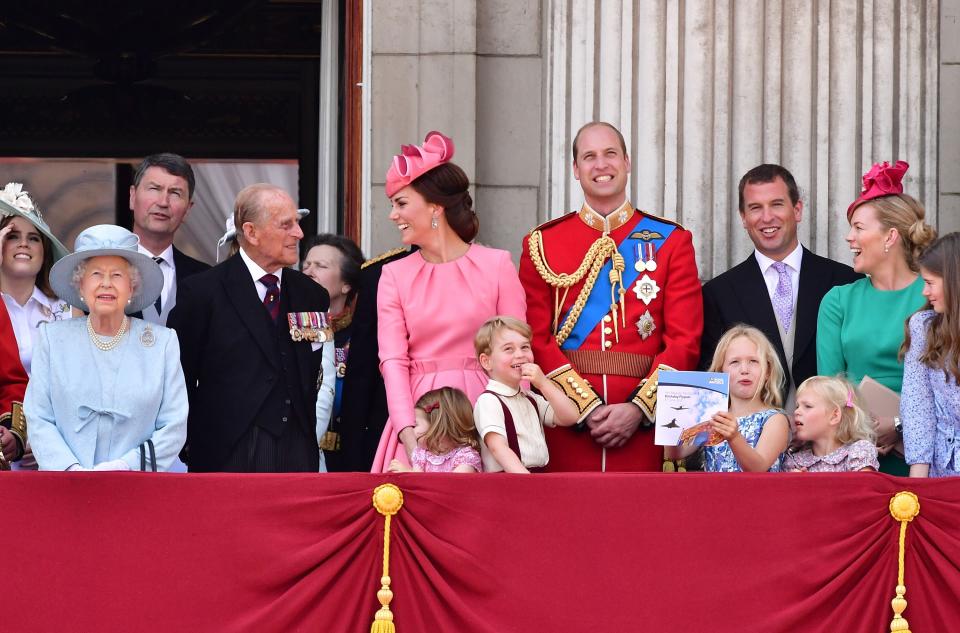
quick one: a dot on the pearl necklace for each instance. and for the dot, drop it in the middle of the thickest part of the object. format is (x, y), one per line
(112, 342)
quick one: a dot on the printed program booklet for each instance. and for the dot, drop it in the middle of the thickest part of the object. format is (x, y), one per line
(686, 400)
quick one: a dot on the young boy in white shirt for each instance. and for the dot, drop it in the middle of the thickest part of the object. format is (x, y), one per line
(510, 419)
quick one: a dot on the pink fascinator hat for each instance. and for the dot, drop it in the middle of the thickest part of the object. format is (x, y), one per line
(414, 161)
(883, 179)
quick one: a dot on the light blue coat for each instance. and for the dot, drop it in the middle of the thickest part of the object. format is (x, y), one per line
(86, 406)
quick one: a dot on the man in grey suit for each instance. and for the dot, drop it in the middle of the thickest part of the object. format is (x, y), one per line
(778, 288)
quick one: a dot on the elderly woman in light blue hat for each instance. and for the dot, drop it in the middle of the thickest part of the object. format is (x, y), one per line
(107, 391)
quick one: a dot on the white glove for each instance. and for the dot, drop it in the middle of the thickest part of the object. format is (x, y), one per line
(113, 464)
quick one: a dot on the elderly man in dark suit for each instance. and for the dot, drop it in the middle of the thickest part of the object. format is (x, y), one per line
(778, 288)
(160, 198)
(252, 384)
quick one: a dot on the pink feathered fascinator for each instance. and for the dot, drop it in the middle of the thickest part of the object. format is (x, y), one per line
(416, 160)
(882, 180)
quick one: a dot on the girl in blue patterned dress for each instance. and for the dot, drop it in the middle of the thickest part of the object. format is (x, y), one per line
(930, 399)
(755, 431)
(836, 434)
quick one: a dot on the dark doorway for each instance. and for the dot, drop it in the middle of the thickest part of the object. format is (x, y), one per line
(213, 80)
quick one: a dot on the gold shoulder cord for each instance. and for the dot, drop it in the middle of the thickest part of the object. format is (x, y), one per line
(590, 267)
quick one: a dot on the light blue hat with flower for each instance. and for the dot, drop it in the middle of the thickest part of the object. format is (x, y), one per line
(103, 240)
(16, 202)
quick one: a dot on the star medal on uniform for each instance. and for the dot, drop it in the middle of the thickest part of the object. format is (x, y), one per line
(646, 289)
(147, 339)
(309, 326)
(646, 257)
(645, 325)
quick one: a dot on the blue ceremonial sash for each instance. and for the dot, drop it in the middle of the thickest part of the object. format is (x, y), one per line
(598, 303)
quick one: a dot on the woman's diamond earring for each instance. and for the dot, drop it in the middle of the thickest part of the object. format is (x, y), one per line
(434, 224)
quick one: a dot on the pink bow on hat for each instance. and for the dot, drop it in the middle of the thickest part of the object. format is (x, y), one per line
(882, 180)
(416, 160)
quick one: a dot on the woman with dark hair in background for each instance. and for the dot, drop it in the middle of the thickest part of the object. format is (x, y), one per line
(334, 262)
(432, 302)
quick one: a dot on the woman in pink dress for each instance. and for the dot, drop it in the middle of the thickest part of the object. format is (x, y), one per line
(431, 303)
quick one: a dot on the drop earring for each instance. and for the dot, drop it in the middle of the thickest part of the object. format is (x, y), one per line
(434, 224)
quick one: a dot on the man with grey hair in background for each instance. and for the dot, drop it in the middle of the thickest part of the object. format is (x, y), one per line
(251, 336)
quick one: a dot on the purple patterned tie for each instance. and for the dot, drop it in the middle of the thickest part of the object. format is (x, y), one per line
(271, 300)
(783, 296)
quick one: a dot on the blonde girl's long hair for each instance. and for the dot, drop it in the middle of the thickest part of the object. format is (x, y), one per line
(771, 378)
(942, 351)
(450, 417)
(855, 423)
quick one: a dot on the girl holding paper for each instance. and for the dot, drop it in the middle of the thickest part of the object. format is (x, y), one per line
(754, 431)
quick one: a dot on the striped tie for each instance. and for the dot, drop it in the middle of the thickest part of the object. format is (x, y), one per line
(271, 300)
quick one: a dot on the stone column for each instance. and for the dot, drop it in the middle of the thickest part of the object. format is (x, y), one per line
(703, 90)
(422, 77)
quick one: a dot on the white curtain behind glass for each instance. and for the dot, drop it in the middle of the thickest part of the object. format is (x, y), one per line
(217, 187)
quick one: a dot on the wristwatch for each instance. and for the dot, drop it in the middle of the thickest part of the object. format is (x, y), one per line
(898, 425)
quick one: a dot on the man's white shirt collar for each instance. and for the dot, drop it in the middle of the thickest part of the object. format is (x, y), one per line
(167, 254)
(256, 272)
(792, 260)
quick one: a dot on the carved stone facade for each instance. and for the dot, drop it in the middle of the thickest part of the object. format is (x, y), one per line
(702, 89)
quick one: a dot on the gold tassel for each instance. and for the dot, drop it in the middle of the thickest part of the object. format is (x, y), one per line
(904, 506)
(388, 500)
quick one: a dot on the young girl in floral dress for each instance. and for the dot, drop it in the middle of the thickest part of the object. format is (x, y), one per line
(446, 436)
(836, 433)
(930, 401)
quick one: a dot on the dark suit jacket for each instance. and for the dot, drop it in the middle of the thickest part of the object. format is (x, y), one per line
(232, 357)
(363, 410)
(740, 296)
(184, 266)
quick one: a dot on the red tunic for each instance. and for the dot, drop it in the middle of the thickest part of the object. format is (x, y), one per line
(676, 311)
(13, 378)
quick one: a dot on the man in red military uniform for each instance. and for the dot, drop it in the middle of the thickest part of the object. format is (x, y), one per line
(612, 294)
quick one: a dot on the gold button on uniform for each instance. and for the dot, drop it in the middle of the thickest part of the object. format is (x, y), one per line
(608, 344)
(607, 330)
(606, 318)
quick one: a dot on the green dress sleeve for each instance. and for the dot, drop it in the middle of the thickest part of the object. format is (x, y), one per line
(830, 358)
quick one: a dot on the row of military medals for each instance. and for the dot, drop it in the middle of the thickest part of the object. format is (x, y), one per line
(647, 288)
(331, 439)
(315, 327)
(309, 326)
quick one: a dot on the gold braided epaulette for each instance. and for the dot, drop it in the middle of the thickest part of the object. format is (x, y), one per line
(591, 264)
(383, 256)
(576, 388)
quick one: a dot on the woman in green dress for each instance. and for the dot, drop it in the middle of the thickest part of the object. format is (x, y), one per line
(861, 325)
